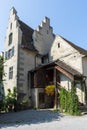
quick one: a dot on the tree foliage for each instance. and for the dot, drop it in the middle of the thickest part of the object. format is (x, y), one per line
(9, 101)
(11, 98)
(1, 67)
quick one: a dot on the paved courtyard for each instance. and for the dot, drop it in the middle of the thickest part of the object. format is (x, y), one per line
(41, 120)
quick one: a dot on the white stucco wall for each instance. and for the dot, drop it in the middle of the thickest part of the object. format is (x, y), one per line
(80, 93)
(35, 96)
(43, 37)
(22, 61)
(26, 63)
(65, 82)
(84, 66)
(10, 83)
(65, 53)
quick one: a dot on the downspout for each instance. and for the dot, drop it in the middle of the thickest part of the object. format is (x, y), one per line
(35, 60)
(85, 90)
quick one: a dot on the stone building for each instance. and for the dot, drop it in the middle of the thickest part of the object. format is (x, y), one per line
(37, 58)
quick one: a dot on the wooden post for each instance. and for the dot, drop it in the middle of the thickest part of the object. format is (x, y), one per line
(55, 83)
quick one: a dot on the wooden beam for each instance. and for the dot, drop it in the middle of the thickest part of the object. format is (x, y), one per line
(64, 72)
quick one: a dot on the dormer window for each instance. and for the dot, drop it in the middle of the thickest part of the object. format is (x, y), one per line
(10, 38)
(58, 45)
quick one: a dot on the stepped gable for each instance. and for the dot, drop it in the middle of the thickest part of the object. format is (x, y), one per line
(81, 50)
(27, 41)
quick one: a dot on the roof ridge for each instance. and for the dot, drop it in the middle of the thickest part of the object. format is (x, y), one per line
(80, 49)
(25, 24)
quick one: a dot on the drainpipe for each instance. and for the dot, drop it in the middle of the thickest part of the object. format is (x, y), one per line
(35, 60)
(85, 89)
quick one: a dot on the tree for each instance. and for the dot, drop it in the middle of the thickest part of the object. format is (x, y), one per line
(1, 76)
(1, 67)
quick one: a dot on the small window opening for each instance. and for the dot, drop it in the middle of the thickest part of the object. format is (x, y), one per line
(10, 38)
(11, 26)
(58, 45)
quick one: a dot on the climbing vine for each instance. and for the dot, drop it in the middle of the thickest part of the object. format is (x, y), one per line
(69, 101)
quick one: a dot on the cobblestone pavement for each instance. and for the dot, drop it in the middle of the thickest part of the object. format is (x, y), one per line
(41, 120)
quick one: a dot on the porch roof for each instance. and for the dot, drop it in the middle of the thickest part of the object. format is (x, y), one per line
(63, 68)
(67, 70)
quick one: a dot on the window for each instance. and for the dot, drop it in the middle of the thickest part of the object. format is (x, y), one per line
(10, 38)
(9, 53)
(42, 60)
(11, 72)
(11, 26)
(12, 51)
(32, 79)
(6, 55)
(45, 59)
(58, 45)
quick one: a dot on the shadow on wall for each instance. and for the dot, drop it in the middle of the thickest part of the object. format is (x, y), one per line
(28, 117)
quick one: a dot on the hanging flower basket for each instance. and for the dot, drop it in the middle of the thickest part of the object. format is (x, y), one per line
(50, 90)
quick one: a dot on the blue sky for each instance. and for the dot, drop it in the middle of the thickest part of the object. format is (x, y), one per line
(68, 17)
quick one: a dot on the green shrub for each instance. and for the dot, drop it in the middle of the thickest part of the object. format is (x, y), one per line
(69, 101)
(25, 102)
(63, 93)
(11, 99)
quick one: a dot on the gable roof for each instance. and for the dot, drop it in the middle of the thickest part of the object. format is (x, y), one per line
(27, 41)
(81, 50)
